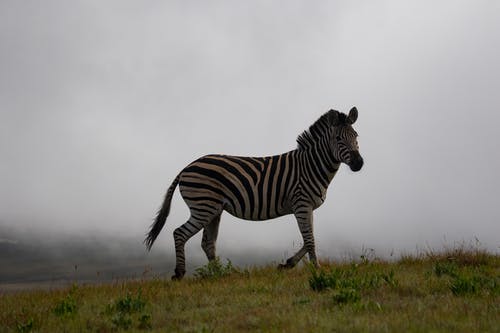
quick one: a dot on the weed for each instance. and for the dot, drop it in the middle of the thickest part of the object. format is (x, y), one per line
(28, 326)
(320, 280)
(367, 255)
(462, 285)
(390, 279)
(350, 278)
(346, 295)
(463, 254)
(145, 321)
(446, 268)
(410, 259)
(215, 269)
(122, 320)
(66, 307)
(124, 310)
(130, 304)
(472, 285)
(466, 280)
(493, 285)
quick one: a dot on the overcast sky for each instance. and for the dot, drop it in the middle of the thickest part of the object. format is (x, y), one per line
(103, 103)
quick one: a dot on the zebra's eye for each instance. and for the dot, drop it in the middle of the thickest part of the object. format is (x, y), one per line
(337, 137)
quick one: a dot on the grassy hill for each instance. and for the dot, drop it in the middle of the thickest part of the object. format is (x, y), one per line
(452, 291)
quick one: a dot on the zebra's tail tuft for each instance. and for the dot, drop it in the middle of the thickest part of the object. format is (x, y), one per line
(161, 217)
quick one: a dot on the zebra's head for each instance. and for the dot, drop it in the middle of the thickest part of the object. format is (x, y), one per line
(345, 139)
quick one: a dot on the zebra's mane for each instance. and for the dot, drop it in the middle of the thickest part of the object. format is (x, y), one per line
(319, 128)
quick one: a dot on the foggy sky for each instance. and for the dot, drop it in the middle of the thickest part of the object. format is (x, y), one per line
(103, 103)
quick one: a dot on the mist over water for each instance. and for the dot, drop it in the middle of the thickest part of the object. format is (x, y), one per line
(102, 104)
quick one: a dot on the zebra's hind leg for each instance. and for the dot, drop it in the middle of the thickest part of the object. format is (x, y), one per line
(181, 236)
(293, 260)
(209, 239)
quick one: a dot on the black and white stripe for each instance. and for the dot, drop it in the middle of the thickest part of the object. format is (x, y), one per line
(262, 188)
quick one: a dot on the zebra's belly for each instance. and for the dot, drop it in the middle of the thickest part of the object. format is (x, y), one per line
(257, 214)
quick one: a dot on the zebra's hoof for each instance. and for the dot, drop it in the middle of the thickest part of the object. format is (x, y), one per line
(289, 264)
(284, 266)
(179, 273)
(177, 277)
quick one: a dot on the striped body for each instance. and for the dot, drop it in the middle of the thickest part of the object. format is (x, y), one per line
(253, 188)
(262, 188)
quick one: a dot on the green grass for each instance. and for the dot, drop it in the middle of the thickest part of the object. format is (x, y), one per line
(451, 291)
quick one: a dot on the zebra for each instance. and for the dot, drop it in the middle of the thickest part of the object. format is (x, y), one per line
(262, 188)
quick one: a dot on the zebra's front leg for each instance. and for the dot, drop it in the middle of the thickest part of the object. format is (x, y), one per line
(304, 218)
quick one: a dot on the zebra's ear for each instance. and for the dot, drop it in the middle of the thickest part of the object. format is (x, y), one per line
(334, 117)
(353, 115)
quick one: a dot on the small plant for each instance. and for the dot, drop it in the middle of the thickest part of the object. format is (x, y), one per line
(28, 326)
(466, 277)
(445, 268)
(390, 279)
(346, 295)
(145, 321)
(66, 307)
(367, 255)
(462, 285)
(215, 269)
(471, 285)
(130, 304)
(124, 312)
(122, 320)
(350, 278)
(320, 280)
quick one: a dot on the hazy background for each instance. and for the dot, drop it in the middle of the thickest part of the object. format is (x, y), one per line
(103, 103)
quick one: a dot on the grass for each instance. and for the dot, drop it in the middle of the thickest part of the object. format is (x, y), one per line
(455, 290)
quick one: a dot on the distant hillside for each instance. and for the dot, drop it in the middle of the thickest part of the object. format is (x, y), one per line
(29, 257)
(34, 258)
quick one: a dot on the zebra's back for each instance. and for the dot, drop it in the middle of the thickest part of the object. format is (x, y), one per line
(252, 188)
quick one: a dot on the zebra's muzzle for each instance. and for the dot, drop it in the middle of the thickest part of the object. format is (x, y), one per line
(356, 162)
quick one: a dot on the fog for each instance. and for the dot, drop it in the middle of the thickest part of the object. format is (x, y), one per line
(102, 104)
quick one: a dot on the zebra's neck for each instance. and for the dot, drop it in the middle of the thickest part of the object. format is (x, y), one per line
(321, 165)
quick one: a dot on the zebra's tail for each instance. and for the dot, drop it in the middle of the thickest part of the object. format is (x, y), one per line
(162, 215)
